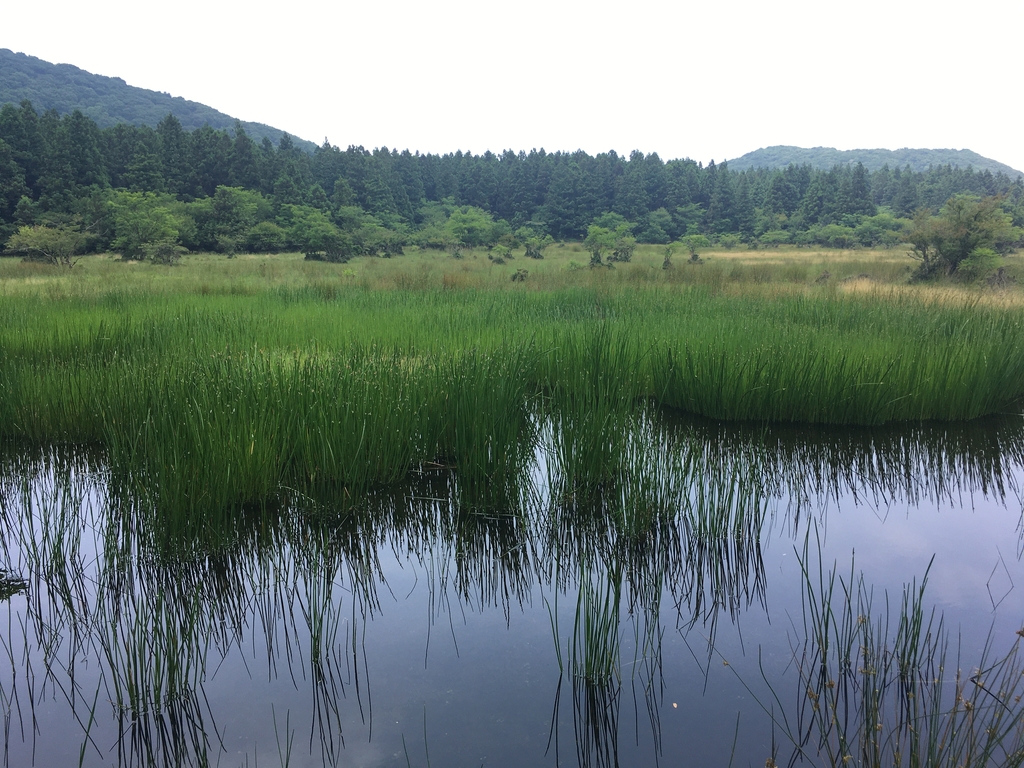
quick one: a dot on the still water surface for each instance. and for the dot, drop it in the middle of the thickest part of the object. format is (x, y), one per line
(416, 628)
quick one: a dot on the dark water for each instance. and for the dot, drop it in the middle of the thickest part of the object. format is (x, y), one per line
(645, 624)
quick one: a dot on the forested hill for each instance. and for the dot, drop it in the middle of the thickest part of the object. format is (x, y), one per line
(210, 189)
(825, 158)
(110, 100)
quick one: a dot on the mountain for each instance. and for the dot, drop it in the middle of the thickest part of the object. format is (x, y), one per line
(110, 100)
(873, 159)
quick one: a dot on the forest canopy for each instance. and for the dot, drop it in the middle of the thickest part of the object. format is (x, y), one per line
(130, 188)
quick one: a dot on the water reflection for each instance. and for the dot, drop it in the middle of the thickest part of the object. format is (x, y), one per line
(153, 636)
(913, 463)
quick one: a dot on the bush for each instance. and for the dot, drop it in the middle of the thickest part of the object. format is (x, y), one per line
(265, 237)
(965, 225)
(979, 264)
(166, 252)
(836, 236)
(775, 237)
(50, 245)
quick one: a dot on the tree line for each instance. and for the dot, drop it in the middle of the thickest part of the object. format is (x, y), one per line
(142, 191)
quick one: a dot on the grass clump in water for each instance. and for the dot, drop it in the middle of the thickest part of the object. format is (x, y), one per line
(870, 698)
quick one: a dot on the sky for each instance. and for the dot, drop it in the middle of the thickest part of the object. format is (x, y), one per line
(708, 80)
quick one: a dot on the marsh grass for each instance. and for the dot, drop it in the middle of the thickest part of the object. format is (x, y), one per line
(594, 650)
(102, 370)
(494, 559)
(593, 664)
(594, 386)
(664, 522)
(791, 269)
(878, 688)
(486, 422)
(722, 516)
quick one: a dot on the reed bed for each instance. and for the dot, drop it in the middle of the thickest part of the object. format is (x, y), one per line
(878, 687)
(214, 403)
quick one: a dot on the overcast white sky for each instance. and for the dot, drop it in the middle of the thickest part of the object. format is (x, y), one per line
(707, 80)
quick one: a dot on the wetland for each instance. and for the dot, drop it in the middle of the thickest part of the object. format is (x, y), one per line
(324, 521)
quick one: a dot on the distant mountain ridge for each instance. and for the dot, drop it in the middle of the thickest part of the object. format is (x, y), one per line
(110, 100)
(873, 159)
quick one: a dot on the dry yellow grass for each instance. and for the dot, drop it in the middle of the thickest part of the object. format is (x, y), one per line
(774, 272)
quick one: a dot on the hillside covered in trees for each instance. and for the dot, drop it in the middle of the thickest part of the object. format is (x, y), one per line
(125, 187)
(824, 158)
(109, 100)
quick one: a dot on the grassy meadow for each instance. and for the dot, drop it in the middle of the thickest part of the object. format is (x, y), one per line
(220, 381)
(564, 266)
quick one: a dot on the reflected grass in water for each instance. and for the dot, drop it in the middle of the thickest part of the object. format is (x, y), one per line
(679, 526)
(868, 697)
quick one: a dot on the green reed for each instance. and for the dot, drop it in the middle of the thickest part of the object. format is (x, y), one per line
(482, 410)
(594, 390)
(209, 404)
(868, 697)
(593, 651)
(785, 358)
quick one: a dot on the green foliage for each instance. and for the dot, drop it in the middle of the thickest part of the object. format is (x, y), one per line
(266, 237)
(832, 236)
(533, 242)
(694, 244)
(13, 188)
(140, 220)
(667, 262)
(228, 217)
(614, 222)
(658, 227)
(965, 224)
(313, 233)
(599, 240)
(165, 252)
(729, 241)
(624, 246)
(472, 227)
(882, 230)
(368, 235)
(52, 245)
(775, 237)
(980, 263)
(220, 184)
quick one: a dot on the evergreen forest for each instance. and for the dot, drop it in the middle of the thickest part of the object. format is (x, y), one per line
(127, 187)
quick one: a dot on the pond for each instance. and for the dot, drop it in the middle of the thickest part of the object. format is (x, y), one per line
(666, 616)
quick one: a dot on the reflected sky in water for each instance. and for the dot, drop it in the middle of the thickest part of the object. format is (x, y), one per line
(427, 624)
